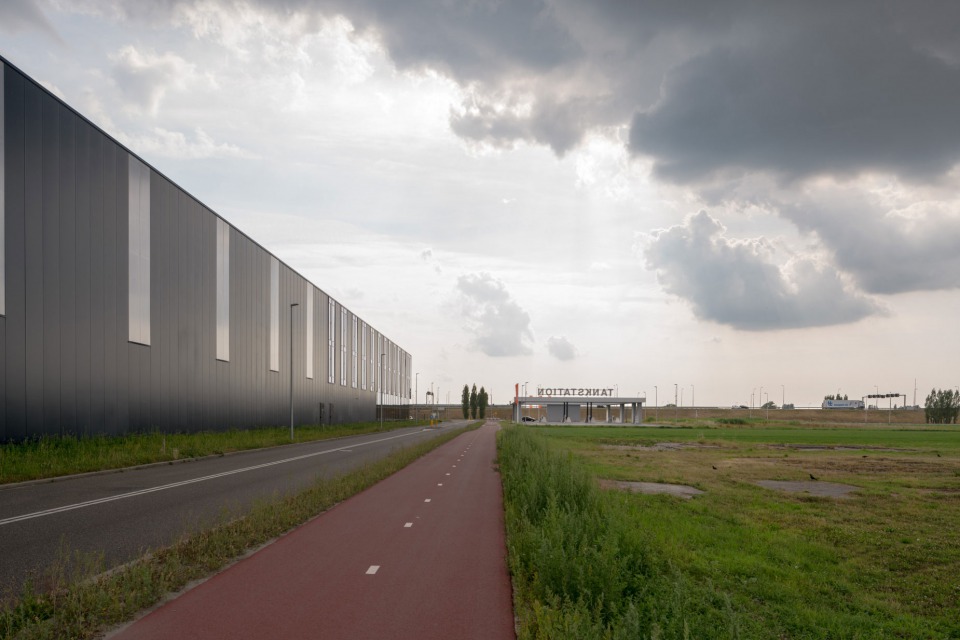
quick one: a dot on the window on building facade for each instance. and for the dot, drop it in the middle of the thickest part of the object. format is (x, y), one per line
(343, 347)
(373, 361)
(364, 330)
(378, 368)
(310, 331)
(138, 250)
(274, 314)
(353, 360)
(223, 290)
(331, 338)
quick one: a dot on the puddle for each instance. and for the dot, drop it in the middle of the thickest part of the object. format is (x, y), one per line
(813, 487)
(660, 446)
(679, 490)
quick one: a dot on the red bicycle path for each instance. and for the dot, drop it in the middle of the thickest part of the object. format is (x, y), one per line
(422, 554)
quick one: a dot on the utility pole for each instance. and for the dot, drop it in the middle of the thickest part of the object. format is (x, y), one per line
(675, 409)
(656, 400)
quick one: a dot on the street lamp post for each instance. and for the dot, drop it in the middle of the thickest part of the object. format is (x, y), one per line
(292, 305)
(783, 396)
(382, 356)
(693, 401)
(676, 413)
(656, 401)
(416, 396)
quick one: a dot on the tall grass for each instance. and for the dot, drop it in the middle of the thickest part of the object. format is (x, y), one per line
(582, 569)
(83, 606)
(51, 456)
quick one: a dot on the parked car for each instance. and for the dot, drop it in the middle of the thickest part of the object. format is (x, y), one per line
(528, 419)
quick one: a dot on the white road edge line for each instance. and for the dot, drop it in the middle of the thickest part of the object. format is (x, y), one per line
(174, 485)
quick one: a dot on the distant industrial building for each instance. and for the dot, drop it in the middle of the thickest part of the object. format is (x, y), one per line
(128, 305)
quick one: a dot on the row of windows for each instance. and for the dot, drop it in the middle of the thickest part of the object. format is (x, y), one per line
(394, 364)
(363, 357)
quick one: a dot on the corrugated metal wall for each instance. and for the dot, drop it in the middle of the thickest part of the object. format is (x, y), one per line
(67, 363)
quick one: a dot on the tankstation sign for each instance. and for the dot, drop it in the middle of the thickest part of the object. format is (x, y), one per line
(574, 392)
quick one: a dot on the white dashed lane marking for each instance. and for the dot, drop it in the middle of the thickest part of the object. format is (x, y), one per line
(373, 569)
(427, 500)
(408, 525)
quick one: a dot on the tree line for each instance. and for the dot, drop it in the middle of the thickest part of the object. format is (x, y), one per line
(942, 406)
(474, 403)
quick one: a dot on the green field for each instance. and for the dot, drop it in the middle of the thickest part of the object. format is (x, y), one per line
(739, 561)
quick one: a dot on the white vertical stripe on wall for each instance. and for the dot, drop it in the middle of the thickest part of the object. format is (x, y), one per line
(310, 331)
(138, 239)
(331, 338)
(223, 290)
(274, 314)
(343, 346)
(363, 354)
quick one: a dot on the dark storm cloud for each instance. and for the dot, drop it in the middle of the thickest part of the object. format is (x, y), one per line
(706, 86)
(857, 100)
(735, 283)
(713, 92)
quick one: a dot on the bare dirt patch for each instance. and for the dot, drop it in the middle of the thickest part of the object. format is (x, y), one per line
(813, 487)
(679, 490)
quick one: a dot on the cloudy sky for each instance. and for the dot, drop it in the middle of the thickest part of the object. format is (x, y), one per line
(718, 194)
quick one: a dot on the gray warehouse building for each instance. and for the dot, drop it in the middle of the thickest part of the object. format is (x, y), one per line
(127, 305)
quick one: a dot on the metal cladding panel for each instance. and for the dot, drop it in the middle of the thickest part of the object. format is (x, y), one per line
(82, 323)
(165, 301)
(102, 416)
(117, 376)
(208, 318)
(50, 265)
(3, 200)
(154, 376)
(182, 323)
(33, 258)
(67, 362)
(67, 367)
(15, 352)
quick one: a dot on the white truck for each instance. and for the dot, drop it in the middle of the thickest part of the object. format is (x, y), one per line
(842, 404)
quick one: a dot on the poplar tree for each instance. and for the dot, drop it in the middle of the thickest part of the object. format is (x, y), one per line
(482, 401)
(473, 402)
(465, 402)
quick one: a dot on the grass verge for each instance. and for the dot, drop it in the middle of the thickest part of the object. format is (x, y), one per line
(83, 606)
(52, 456)
(739, 561)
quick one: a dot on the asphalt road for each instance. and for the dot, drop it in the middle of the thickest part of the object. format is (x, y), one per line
(123, 514)
(420, 555)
